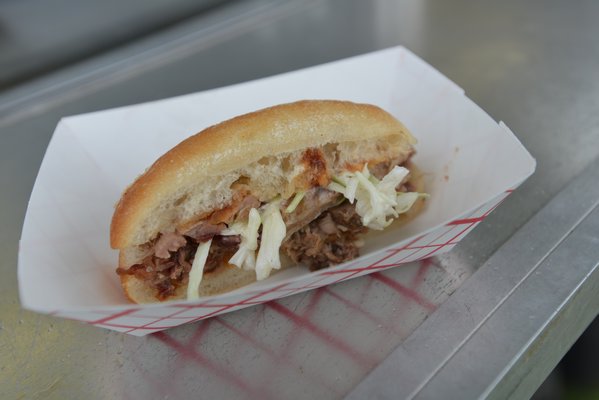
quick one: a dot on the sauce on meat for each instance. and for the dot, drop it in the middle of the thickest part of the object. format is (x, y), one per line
(315, 168)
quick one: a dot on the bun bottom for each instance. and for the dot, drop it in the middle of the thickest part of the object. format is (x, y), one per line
(223, 279)
(228, 277)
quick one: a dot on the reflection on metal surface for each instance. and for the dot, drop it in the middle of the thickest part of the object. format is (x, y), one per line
(317, 344)
(153, 52)
(528, 290)
(32, 44)
(401, 19)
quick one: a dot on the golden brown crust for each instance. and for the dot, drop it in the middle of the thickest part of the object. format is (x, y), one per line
(222, 148)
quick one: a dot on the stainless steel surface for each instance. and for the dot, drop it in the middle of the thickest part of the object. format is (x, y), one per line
(520, 311)
(530, 64)
(31, 45)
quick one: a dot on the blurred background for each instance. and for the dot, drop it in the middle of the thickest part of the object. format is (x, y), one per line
(37, 37)
(524, 64)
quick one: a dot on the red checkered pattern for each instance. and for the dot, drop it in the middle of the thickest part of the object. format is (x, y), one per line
(299, 344)
(140, 321)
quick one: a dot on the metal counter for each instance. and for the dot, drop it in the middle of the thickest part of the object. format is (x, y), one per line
(488, 320)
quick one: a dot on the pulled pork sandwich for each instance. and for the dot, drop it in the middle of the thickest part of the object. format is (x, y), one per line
(304, 179)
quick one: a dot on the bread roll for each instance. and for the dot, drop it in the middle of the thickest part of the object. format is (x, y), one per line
(271, 153)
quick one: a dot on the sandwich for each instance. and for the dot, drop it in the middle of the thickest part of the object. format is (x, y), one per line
(293, 184)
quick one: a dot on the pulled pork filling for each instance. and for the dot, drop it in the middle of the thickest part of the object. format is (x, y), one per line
(173, 253)
(323, 230)
(332, 238)
(167, 274)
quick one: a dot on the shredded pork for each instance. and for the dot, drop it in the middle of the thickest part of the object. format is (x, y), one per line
(323, 230)
(167, 274)
(314, 203)
(332, 238)
(168, 242)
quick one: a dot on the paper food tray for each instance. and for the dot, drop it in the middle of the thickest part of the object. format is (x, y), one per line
(67, 268)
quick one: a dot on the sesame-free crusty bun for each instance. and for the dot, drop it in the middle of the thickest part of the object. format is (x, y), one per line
(200, 192)
(265, 147)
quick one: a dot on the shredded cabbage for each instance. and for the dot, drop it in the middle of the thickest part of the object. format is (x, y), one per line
(197, 270)
(377, 202)
(405, 201)
(295, 202)
(245, 257)
(273, 233)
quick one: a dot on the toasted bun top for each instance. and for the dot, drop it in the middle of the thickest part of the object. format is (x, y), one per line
(195, 176)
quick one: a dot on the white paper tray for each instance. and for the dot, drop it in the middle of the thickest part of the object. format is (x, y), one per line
(66, 267)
